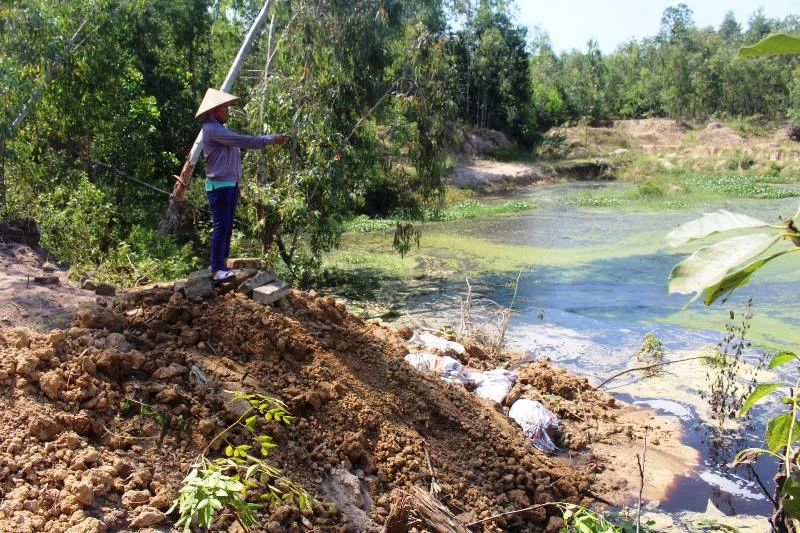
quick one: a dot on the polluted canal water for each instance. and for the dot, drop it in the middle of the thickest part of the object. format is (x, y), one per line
(592, 283)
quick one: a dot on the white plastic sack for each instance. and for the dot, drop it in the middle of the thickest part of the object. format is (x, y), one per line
(535, 419)
(448, 368)
(496, 384)
(436, 343)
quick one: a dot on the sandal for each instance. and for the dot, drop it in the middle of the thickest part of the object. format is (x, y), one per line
(222, 275)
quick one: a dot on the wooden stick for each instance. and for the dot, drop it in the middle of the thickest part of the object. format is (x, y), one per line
(640, 464)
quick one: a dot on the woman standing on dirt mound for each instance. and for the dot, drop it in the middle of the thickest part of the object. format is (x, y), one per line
(223, 172)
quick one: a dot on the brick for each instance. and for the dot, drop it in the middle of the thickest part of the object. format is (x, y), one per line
(271, 292)
(243, 263)
(259, 280)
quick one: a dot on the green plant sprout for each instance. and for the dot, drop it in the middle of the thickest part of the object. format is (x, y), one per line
(651, 353)
(228, 482)
(582, 520)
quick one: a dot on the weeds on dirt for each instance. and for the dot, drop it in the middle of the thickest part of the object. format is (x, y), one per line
(229, 482)
(582, 520)
(578, 519)
(489, 335)
(131, 408)
(726, 391)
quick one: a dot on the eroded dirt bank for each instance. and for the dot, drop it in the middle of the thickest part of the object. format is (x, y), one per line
(101, 420)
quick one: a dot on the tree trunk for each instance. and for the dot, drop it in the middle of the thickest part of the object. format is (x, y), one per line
(3, 207)
(185, 177)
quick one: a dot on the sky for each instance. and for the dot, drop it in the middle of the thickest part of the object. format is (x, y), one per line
(571, 23)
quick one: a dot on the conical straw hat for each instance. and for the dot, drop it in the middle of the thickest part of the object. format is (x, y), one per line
(214, 98)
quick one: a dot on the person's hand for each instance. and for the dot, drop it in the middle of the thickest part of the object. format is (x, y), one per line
(282, 138)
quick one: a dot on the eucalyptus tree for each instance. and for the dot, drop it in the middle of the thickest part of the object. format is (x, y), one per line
(548, 96)
(493, 64)
(363, 88)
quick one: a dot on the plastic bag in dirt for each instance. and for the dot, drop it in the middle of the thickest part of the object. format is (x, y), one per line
(436, 343)
(447, 367)
(496, 384)
(535, 419)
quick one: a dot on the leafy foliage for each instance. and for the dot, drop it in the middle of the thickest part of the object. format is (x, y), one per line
(147, 256)
(683, 72)
(228, 482)
(74, 222)
(713, 268)
(651, 352)
(579, 519)
(781, 436)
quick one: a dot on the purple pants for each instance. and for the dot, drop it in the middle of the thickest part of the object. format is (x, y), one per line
(223, 204)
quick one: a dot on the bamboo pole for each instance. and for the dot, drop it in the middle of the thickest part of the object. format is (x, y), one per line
(185, 177)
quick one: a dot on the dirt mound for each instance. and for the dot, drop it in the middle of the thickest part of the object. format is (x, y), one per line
(653, 132)
(717, 134)
(100, 422)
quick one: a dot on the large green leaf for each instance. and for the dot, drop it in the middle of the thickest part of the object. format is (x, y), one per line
(737, 279)
(761, 390)
(791, 497)
(778, 430)
(781, 358)
(708, 266)
(711, 223)
(772, 45)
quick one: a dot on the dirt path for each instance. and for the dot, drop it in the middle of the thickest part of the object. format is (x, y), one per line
(35, 293)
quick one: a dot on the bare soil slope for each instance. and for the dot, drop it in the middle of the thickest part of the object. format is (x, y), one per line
(707, 147)
(100, 420)
(70, 455)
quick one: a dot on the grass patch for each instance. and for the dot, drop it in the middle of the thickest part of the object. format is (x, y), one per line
(468, 209)
(461, 210)
(741, 186)
(679, 189)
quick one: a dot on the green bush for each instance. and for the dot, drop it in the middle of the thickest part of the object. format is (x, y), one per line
(648, 190)
(75, 222)
(146, 254)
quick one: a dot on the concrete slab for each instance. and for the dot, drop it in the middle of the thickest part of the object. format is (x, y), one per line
(205, 273)
(259, 280)
(271, 292)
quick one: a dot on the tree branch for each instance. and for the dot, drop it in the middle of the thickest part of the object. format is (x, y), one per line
(618, 374)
